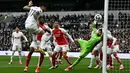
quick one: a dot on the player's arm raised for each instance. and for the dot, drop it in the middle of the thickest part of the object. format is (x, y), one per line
(27, 7)
(93, 26)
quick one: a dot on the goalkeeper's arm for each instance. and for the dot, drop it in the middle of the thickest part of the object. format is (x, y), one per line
(93, 26)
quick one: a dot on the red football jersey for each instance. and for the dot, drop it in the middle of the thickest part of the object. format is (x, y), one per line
(109, 43)
(59, 36)
(39, 36)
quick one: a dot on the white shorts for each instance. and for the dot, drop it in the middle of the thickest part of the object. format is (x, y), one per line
(46, 46)
(35, 44)
(63, 48)
(97, 47)
(16, 47)
(115, 49)
(33, 28)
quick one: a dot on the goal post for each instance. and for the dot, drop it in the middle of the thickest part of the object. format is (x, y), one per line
(105, 35)
(117, 21)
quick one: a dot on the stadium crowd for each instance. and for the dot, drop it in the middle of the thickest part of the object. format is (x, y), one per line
(76, 24)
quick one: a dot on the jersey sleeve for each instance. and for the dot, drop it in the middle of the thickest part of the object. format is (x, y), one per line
(112, 38)
(65, 32)
(12, 39)
(25, 38)
(94, 28)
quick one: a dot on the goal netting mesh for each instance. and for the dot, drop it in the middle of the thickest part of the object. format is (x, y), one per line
(119, 25)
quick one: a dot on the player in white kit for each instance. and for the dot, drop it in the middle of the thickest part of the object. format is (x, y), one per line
(32, 24)
(45, 39)
(17, 44)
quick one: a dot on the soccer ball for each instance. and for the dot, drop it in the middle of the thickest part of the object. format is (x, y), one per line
(98, 17)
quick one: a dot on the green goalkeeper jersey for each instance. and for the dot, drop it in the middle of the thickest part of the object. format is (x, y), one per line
(91, 43)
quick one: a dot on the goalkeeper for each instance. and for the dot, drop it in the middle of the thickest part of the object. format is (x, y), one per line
(87, 46)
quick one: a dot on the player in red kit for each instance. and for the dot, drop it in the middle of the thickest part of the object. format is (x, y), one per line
(113, 49)
(35, 45)
(59, 35)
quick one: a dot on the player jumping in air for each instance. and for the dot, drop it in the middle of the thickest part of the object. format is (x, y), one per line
(59, 35)
(35, 45)
(32, 24)
(87, 46)
(17, 45)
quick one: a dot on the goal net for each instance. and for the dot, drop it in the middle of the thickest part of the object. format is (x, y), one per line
(119, 25)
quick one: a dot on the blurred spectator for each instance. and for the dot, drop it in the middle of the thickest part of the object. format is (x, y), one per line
(76, 24)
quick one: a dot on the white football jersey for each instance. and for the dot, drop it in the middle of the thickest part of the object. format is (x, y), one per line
(16, 37)
(30, 19)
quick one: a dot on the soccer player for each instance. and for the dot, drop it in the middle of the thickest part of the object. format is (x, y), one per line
(36, 44)
(112, 49)
(16, 41)
(45, 40)
(62, 43)
(87, 46)
(95, 53)
(32, 24)
(34, 20)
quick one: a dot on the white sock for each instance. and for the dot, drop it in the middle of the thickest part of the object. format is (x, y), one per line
(91, 61)
(20, 59)
(12, 56)
(50, 59)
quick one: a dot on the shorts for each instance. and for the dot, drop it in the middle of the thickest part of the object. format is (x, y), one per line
(35, 44)
(46, 46)
(97, 47)
(17, 47)
(33, 28)
(115, 49)
(63, 48)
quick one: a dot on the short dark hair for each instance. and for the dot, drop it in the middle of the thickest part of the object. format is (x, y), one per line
(100, 29)
(18, 26)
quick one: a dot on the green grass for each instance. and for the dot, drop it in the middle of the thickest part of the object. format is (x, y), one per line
(82, 67)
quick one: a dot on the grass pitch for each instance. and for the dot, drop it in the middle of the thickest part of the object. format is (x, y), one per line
(82, 67)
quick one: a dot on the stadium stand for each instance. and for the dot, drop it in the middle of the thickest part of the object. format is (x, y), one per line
(76, 24)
